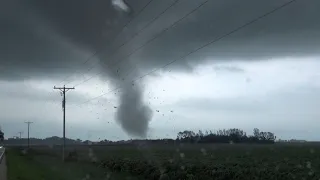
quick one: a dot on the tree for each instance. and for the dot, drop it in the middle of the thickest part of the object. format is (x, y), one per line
(256, 133)
(1, 136)
(271, 136)
(200, 134)
(186, 134)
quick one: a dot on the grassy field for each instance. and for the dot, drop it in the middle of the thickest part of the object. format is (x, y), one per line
(39, 165)
(229, 161)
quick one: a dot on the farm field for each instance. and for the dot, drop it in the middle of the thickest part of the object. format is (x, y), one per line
(200, 161)
(47, 166)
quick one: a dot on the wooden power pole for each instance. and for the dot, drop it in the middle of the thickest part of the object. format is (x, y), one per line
(28, 122)
(63, 93)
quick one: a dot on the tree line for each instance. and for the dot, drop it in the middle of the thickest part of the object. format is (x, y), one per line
(233, 135)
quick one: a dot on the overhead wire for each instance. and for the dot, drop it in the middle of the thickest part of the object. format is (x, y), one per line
(143, 28)
(203, 46)
(150, 40)
(103, 48)
(126, 42)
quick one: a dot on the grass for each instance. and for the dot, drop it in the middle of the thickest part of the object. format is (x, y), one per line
(41, 166)
(24, 168)
(282, 161)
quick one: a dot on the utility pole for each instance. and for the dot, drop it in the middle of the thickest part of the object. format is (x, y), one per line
(63, 91)
(20, 133)
(28, 122)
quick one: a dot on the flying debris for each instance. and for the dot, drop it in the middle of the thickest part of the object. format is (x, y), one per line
(115, 107)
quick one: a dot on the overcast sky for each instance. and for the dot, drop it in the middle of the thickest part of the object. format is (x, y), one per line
(264, 75)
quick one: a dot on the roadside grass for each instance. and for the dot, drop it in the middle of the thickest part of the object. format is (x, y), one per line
(34, 166)
(24, 168)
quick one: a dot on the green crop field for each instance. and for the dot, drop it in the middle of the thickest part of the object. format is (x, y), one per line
(207, 161)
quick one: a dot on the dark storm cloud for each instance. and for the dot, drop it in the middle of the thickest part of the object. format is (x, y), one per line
(36, 34)
(29, 44)
(40, 34)
(291, 31)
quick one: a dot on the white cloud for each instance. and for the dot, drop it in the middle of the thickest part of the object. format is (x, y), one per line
(257, 79)
(279, 95)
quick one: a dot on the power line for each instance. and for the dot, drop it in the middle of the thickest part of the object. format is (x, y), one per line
(161, 33)
(151, 40)
(63, 93)
(142, 29)
(123, 44)
(203, 46)
(28, 122)
(102, 48)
